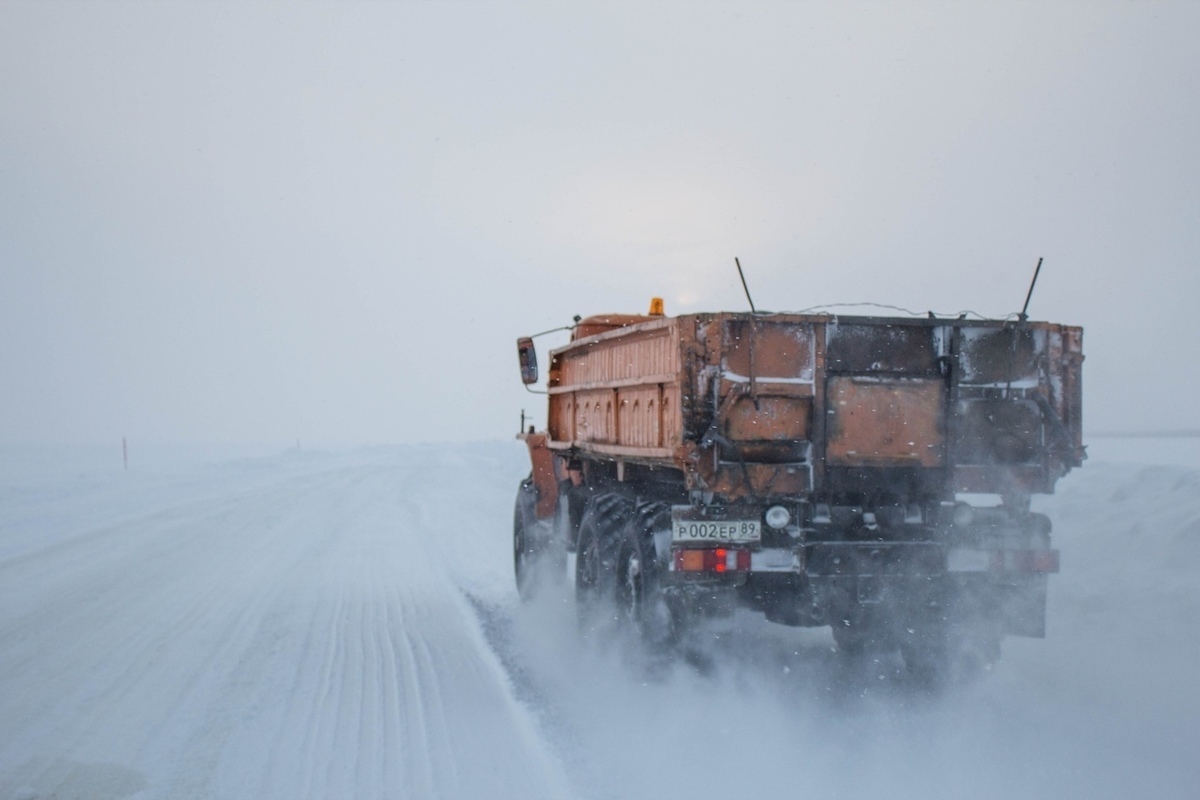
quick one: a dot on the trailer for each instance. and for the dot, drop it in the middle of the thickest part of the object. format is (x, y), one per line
(872, 474)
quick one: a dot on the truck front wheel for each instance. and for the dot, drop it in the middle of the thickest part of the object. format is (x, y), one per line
(537, 556)
(524, 557)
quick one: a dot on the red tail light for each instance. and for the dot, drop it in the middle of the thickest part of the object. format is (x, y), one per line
(1032, 560)
(718, 559)
(1024, 561)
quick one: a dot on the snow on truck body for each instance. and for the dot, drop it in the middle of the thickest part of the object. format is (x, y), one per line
(809, 466)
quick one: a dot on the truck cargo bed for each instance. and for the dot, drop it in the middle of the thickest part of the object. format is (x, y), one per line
(793, 404)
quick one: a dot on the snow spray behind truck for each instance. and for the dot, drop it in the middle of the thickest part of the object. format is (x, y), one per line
(820, 469)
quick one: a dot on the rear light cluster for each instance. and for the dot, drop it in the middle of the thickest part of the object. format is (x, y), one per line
(1024, 561)
(714, 559)
(967, 560)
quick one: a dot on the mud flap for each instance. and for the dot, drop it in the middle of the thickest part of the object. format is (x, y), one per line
(1024, 606)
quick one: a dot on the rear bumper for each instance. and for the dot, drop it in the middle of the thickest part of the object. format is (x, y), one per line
(818, 583)
(901, 559)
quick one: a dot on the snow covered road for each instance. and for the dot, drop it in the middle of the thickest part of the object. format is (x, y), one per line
(344, 626)
(297, 639)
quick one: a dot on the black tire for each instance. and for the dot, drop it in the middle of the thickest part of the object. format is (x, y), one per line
(604, 520)
(862, 634)
(641, 606)
(537, 558)
(925, 665)
(941, 653)
(925, 645)
(523, 556)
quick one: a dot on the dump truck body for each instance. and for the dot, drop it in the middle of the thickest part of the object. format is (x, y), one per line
(818, 404)
(813, 466)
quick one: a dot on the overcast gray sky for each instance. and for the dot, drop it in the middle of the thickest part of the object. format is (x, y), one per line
(253, 222)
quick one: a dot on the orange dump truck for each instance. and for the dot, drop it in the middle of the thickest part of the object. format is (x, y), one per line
(867, 473)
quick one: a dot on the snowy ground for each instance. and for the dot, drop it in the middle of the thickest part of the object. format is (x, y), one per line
(344, 625)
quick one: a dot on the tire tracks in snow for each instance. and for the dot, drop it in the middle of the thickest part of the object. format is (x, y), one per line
(302, 639)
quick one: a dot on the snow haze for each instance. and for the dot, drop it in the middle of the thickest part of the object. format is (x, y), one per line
(345, 625)
(284, 249)
(259, 222)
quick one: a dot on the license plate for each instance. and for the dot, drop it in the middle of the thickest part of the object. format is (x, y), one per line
(725, 530)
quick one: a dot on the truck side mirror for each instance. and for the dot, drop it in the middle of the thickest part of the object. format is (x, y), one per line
(528, 356)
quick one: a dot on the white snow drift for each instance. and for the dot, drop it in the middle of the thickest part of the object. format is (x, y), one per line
(345, 626)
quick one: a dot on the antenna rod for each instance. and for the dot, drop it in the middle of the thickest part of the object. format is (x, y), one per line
(1032, 283)
(746, 288)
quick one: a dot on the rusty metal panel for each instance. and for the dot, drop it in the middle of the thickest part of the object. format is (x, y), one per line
(766, 369)
(619, 356)
(762, 480)
(994, 431)
(1054, 382)
(595, 416)
(1064, 359)
(1072, 389)
(991, 356)
(770, 350)
(1017, 393)
(773, 418)
(619, 389)
(877, 422)
(784, 403)
(639, 421)
(562, 417)
(866, 346)
(819, 417)
(545, 481)
(672, 415)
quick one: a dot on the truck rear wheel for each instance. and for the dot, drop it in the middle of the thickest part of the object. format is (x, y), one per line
(941, 653)
(603, 522)
(863, 634)
(640, 600)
